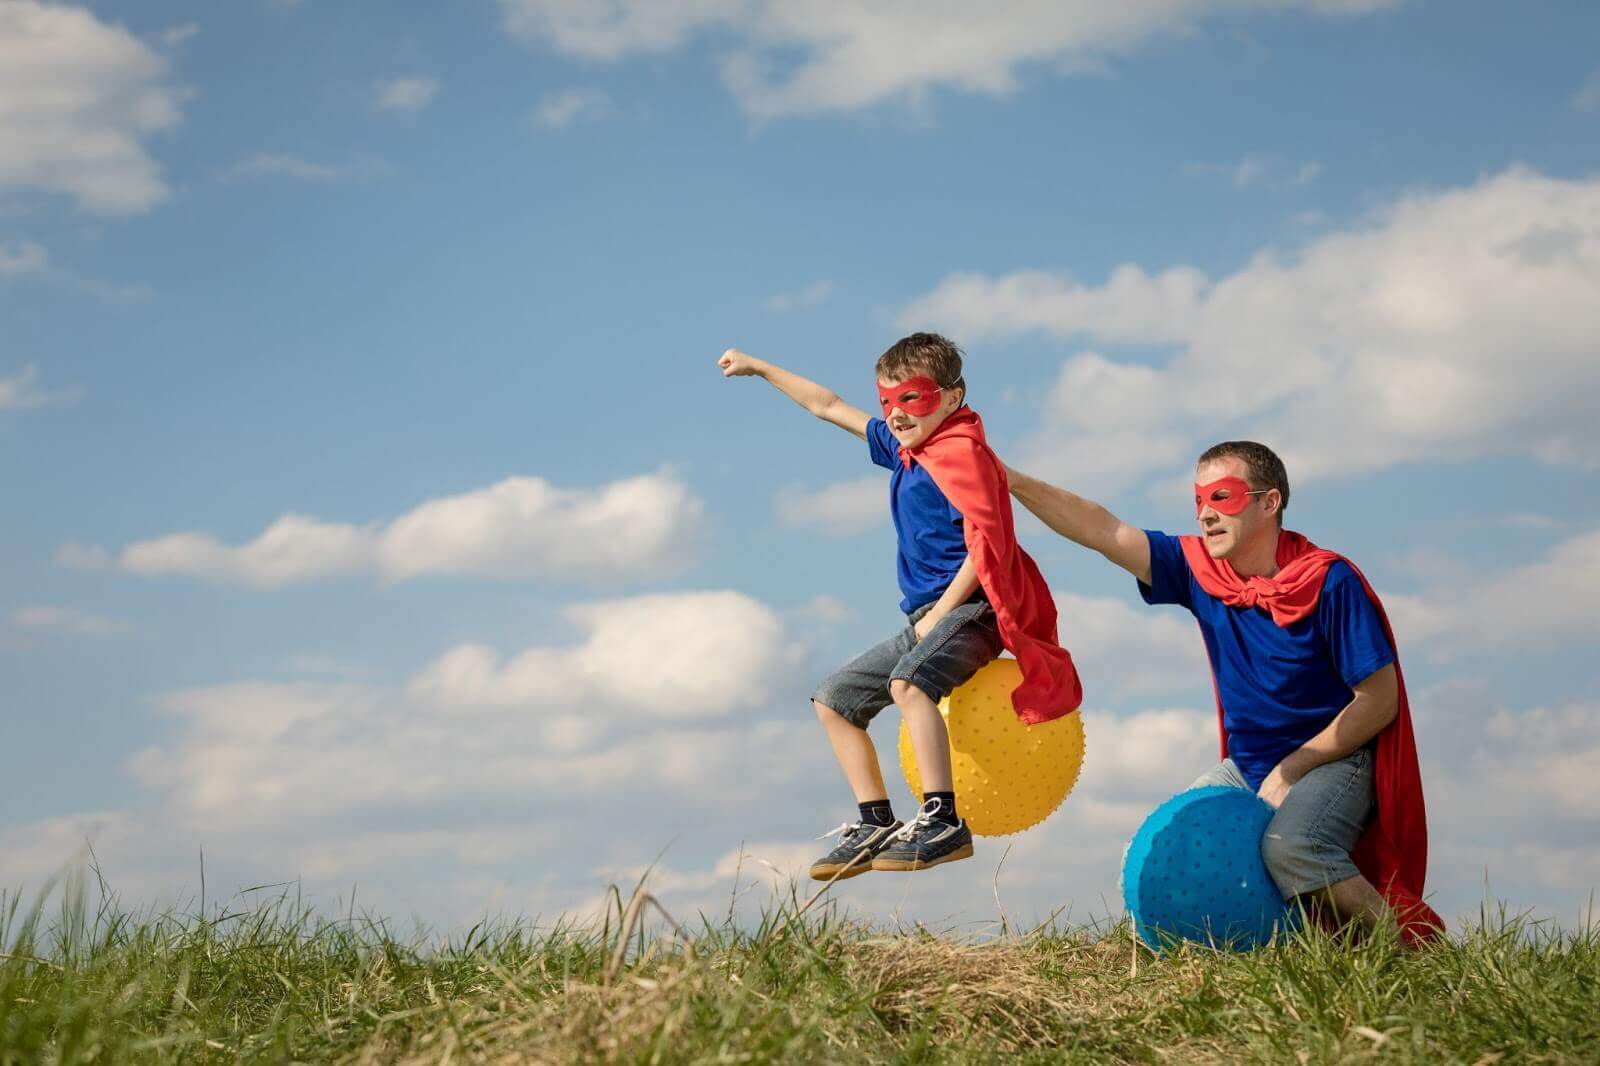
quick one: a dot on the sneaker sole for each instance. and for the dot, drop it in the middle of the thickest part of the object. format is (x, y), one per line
(912, 865)
(842, 871)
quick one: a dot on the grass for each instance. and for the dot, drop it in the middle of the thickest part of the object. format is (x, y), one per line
(274, 982)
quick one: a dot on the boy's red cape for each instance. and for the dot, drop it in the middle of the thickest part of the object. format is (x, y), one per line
(1393, 852)
(958, 458)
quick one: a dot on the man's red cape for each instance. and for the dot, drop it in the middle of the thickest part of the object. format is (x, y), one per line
(1393, 852)
(971, 476)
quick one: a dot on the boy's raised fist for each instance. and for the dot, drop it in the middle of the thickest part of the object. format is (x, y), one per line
(735, 363)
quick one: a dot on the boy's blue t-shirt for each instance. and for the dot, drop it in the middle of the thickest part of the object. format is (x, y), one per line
(932, 544)
(1279, 685)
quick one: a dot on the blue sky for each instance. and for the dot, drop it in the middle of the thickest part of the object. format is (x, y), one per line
(378, 516)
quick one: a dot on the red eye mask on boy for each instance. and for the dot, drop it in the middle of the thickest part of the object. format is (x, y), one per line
(1226, 495)
(918, 397)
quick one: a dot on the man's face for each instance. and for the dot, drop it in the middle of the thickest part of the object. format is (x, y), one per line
(1226, 534)
(899, 398)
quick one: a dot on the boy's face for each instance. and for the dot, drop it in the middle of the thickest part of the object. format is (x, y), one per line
(900, 398)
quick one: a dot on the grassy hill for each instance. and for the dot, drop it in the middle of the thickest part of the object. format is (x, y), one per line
(276, 983)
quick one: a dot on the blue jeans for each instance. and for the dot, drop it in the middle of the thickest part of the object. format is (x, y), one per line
(954, 649)
(1307, 844)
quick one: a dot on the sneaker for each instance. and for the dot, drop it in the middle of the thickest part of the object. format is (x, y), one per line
(858, 844)
(925, 841)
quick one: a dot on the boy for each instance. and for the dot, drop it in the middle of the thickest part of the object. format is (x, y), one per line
(969, 592)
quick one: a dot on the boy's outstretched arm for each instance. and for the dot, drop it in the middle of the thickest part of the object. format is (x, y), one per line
(1084, 521)
(819, 400)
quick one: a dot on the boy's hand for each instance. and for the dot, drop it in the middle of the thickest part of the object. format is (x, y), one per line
(926, 623)
(736, 364)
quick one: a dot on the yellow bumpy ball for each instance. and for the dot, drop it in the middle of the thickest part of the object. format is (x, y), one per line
(1008, 775)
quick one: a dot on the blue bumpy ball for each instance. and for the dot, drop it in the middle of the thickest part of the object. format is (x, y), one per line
(1194, 871)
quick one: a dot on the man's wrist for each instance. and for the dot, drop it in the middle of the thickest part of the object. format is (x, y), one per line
(1300, 762)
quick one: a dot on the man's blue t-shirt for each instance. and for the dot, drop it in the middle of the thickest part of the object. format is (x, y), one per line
(932, 545)
(1279, 685)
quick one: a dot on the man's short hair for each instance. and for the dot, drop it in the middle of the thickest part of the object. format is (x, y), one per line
(922, 353)
(1263, 468)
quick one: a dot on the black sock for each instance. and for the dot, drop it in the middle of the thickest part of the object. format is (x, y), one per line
(877, 812)
(947, 806)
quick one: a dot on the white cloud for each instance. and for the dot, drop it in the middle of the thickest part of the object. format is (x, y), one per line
(1547, 601)
(1372, 346)
(294, 548)
(1120, 648)
(560, 110)
(1587, 98)
(829, 609)
(841, 509)
(406, 94)
(611, 29)
(807, 296)
(443, 811)
(794, 58)
(1511, 793)
(18, 392)
(39, 850)
(283, 165)
(65, 620)
(20, 258)
(522, 527)
(632, 723)
(664, 656)
(78, 100)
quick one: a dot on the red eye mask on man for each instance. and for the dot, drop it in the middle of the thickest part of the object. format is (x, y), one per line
(918, 397)
(1226, 495)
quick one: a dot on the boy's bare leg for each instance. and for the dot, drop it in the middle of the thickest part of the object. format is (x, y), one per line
(929, 738)
(856, 754)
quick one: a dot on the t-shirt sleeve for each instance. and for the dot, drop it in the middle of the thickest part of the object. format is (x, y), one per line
(881, 445)
(1169, 571)
(1351, 625)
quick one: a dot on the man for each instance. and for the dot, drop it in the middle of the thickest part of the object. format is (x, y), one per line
(1310, 698)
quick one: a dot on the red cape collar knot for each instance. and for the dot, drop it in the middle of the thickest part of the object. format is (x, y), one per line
(1393, 852)
(958, 458)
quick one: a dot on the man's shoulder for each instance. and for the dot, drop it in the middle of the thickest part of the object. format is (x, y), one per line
(1342, 575)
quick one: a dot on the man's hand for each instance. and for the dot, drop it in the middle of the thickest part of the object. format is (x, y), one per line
(736, 364)
(1275, 789)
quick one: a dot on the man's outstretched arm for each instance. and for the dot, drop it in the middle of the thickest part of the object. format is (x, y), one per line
(1085, 522)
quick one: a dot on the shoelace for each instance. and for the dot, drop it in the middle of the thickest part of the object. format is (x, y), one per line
(923, 819)
(844, 829)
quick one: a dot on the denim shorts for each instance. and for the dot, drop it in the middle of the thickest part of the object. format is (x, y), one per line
(1307, 844)
(954, 649)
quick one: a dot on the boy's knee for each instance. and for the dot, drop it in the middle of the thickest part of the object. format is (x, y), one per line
(901, 690)
(827, 715)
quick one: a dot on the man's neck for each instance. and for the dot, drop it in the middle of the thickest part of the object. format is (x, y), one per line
(1260, 560)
